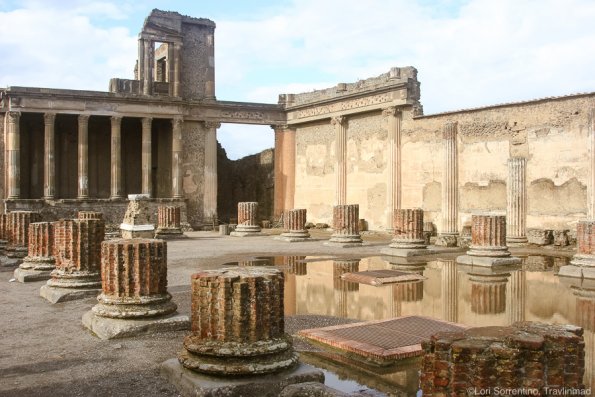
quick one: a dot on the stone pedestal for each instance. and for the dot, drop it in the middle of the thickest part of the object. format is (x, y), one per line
(137, 220)
(134, 298)
(582, 264)
(247, 220)
(345, 226)
(295, 226)
(18, 240)
(40, 261)
(168, 223)
(77, 249)
(488, 243)
(529, 357)
(246, 334)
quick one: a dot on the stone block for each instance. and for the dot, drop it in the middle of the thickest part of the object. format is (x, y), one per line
(30, 275)
(58, 295)
(112, 328)
(540, 236)
(561, 238)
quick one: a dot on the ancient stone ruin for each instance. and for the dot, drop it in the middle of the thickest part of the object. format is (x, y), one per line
(77, 250)
(488, 243)
(40, 261)
(582, 264)
(134, 296)
(168, 222)
(529, 356)
(238, 329)
(18, 226)
(345, 226)
(137, 220)
(247, 220)
(294, 224)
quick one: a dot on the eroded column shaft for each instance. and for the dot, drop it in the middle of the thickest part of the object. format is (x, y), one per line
(450, 181)
(83, 159)
(408, 226)
(19, 231)
(13, 155)
(116, 157)
(168, 217)
(340, 124)
(49, 169)
(516, 214)
(488, 236)
(210, 171)
(147, 187)
(176, 156)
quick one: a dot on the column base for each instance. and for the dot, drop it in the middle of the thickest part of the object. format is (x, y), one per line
(488, 251)
(517, 241)
(169, 233)
(17, 252)
(345, 241)
(191, 383)
(38, 263)
(488, 261)
(29, 275)
(408, 244)
(9, 262)
(57, 295)
(292, 237)
(246, 231)
(111, 328)
(446, 240)
(143, 307)
(581, 266)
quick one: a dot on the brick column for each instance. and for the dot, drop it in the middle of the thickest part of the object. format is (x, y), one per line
(134, 279)
(41, 247)
(284, 169)
(450, 182)
(408, 228)
(210, 170)
(13, 155)
(83, 160)
(77, 245)
(246, 335)
(516, 210)
(345, 226)
(449, 291)
(247, 220)
(393, 116)
(116, 158)
(19, 232)
(294, 222)
(147, 185)
(340, 124)
(168, 222)
(4, 231)
(488, 236)
(582, 264)
(176, 156)
(49, 155)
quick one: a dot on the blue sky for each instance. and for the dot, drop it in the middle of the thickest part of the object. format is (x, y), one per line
(468, 53)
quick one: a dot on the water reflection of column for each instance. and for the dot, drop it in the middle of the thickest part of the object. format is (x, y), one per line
(585, 317)
(295, 265)
(488, 293)
(343, 289)
(517, 296)
(449, 291)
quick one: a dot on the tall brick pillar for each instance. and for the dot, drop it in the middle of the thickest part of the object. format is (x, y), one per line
(295, 226)
(40, 260)
(247, 220)
(19, 232)
(246, 335)
(345, 226)
(77, 245)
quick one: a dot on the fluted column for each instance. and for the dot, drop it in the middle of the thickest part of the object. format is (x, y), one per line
(116, 157)
(40, 254)
(517, 296)
(340, 124)
(140, 70)
(516, 212)
(284, 169)
(83, 160)
(177, 67)
(210, 70)
(18, 240)
(247, 220)
(408, 227)
(393, 116)
(13, 155)
(345, 226)
(237, 322)
(449, 291)
(148, 67)
(176, 157)
(591, 184)
(147, 187)
(210, 170)
(168, 222)
(49, 169)
(295, 226)
(450, 181)
(170, 67)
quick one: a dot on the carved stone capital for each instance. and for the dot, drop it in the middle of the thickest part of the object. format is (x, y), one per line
(339, 120)
(280, 127)
(13, 117)
(49, 118)
(212, 124)
(391, 111)
(176, 123)
(116, 120)
(83, 119)
(450, 130)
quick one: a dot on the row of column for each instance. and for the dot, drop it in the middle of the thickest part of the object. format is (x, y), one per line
(49, 180)
(146, 59)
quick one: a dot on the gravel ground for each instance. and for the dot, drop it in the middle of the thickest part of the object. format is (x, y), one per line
(45, 351)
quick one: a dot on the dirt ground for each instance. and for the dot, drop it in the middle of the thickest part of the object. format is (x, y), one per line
(45, 351)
